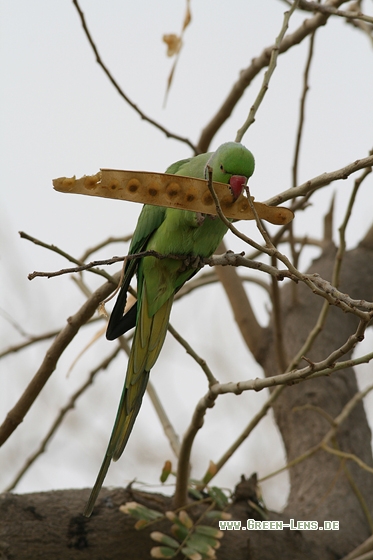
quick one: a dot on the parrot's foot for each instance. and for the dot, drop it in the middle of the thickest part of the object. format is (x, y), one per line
(200, 218)
(193, 261)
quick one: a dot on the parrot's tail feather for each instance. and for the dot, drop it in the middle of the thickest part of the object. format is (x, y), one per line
(127, 420)
(97, 487)
(147, 343)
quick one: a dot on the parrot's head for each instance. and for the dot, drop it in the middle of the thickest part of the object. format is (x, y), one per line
(232, 164)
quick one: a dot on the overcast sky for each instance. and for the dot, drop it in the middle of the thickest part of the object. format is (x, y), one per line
(60, 116)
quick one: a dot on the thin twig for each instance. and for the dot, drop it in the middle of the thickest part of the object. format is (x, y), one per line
(208, 401)
(103, 262)
(200, 361)
(59, 251)
(248, 74)
(343, 226)
(268, 74)
(294, 253)
(325, 9)
(277, 321)
(16, 415)
(324, 367)
(168, 428)
(335, 277)
(37, 338)
(302, 109)
(120, 90)
(320, 181)
(60, 417)
(104, 243)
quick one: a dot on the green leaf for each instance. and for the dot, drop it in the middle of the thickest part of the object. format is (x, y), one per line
(209, 531)
(140, 512)
(218, 496)
(162, 552)
(179, 531)
(191, 554)
(195, 493)
(185, 519)
(164, 539)
(201, 544)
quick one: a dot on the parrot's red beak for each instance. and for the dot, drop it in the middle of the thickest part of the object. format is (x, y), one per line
(237, 183)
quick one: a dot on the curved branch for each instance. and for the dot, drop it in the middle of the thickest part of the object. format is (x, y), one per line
(257, 64)
(119, 89)
(16, 415)
(320, 181)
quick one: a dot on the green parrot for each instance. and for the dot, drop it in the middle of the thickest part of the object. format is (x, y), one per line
(167, 231)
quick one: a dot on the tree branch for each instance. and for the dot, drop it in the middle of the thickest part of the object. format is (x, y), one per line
(121, 92)
(320, 181)
(16, 415)
(247, 75)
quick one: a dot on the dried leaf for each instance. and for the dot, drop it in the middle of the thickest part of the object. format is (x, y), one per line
(173, 43)
(188, 16)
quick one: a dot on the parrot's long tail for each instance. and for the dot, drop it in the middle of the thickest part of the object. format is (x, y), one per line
(148, 340)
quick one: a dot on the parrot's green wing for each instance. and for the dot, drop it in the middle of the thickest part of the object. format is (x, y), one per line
(191, 167)
(174, 167)
(150, 219)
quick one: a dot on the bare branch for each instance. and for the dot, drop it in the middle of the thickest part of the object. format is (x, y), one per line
(104, 243)
(249, 428)
(91, 266)
(200, 361)
(320, 181)
(257, 64)
(121, 92)
(16, 415)
(325, 9)
(342, 228)
(59, 419)
(181, 490)
(302, 109)
(37, 338)
(268, 74)
(168, 429)
(59, 251)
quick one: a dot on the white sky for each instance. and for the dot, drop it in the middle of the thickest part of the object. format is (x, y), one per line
(60, 116)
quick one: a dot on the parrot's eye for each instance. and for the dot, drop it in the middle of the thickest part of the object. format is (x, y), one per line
(221, 168)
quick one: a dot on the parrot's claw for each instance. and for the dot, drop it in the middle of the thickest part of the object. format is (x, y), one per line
(193, 261)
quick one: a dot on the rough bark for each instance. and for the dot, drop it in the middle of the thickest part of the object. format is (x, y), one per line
(321, 487)
(50, 525)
